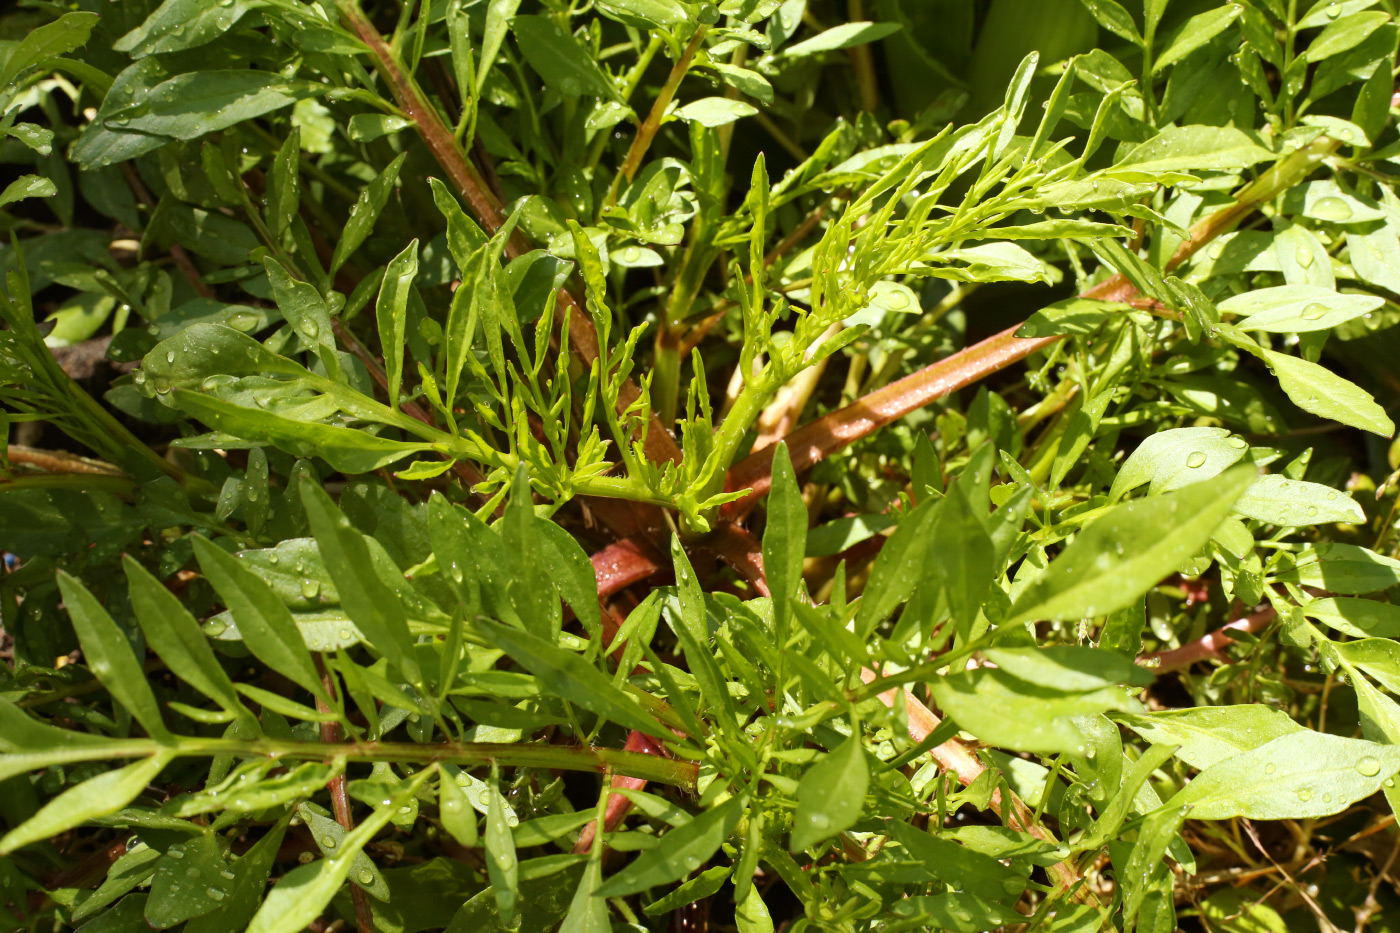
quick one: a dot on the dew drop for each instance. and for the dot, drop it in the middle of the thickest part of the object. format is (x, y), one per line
(1304, 257)
(1331, 208)
(1195, 459)
(1270, 768)
(310, 588)
(364, 877)
(1305, 795)
(310, 329)
(215, 894)
(243, 320)
(227, 875)
(176, 852)
(1314, 312)
(328, 842)
(170, 356)
(1368, 765)
(1238, 443)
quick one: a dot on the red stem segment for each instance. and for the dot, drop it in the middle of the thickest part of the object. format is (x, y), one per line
(1207, 646)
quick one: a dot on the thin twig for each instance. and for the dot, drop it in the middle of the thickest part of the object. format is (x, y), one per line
(340, 799)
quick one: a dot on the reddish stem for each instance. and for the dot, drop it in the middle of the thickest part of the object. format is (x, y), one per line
(1207, 646)
(618, 806)
(340, 799)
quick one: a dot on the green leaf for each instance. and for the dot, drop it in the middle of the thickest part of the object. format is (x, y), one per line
(714, 111)
(844, 36)
(1210, 734)
(566, 68)
(1289, 309)
(1115, 19)
(109, 656)
(1380, 722)
(346, 449)
(176, 638)
(784, 539)
(1303, 775)
(1361, 618)
(644, 13)
(1073, 668)
(960, 866)
(329, 837)
(263, 619)
(27, 186)
(694, 633)
(302, 305)
(498, 16)
(245, 890)
(190, 105)
(965, 555)
(898, 568)
(703, 885)
(184, 878)
(106, 793)
(1195, 148)
(831, 795)
(501, 862)
(183, 24)
(373, 607)
(303, 893)
(1001, 709)
(1123, 554)
(1319, 391)
(392, 311)
(567, 675)
(458, 817)
(1344, 34)
(284, 189)
(1155, 834)
(1196, 32)
(1293, 503)
(681, 851)
(43, 43)
(365, 211)
(1344, 568)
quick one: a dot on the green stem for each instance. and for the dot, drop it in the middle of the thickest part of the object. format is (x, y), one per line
(466, 754)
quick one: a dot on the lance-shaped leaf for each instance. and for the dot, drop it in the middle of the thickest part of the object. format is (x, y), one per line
(263, 620)
(680, 852)
(1303, 775)
(1123, 554)
(176, 638)
(110, 658)
(784, 539)
(392, 312)
(303, 893)
(566, 674)
(373, 607)
(831, 794)
(106, 793)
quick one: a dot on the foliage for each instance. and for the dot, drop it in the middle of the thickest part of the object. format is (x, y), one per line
(408, 523)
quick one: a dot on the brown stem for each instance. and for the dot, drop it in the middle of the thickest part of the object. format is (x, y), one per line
(647, 131)
(1207, 646)
(340, 799)
(58, 461)
(826, 435)
(177, 252)
(583, 339)
(955, 757)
